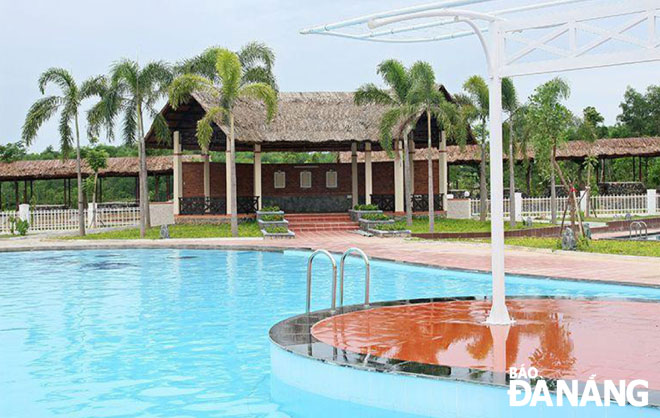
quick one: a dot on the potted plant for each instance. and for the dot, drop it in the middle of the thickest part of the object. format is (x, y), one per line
(359, 210)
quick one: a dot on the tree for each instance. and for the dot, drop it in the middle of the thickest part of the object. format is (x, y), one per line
(133, 91)
(257, 61)
(227, 85)
(400, 112)
(510, 105)
(69, 104)
(96, 159)
(551, 122)
(476, 101)
(426, 96)
(13, 151)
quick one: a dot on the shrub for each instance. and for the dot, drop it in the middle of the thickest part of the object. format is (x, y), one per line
(375, 217)
(272, 208)
(272, 218)
(366, 207)
(277, 229)
(18, 225)
(396, 226)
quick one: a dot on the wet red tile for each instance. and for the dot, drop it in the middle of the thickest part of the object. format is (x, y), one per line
(562, 338)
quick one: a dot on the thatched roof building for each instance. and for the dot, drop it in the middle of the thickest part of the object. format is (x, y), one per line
(62, 169)
(573, 150)
(314, 121)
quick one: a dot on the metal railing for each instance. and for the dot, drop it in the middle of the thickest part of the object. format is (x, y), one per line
(639, 228)
(367, 274)
(309, 279)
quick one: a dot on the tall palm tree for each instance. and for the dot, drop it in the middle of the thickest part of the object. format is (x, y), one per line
(69, 103)
(401, 112)
(227, 85)
(256, 58)
(133, 92)
(428, 99)
(510, 105)
(476, 99)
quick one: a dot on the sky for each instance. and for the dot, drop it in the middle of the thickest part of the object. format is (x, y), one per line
(86, 37)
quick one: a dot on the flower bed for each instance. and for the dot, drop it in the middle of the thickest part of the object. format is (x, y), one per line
(277, 232)
(393, 229)
(360, 210)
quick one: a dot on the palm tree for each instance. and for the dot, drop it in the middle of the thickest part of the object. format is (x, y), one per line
(425, 93)
(510, 105)
(133, 91)
(256, 59)
(69, 104)
(401, 112)
(227, 85)
(476, 100)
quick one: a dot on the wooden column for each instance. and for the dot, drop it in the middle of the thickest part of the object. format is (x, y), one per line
(137, 189)
(257, 174)
(156, 188)
(16, 194)
(100, 197)
(25, 198)
(207, 175)
(398, 178)
(411, 164)
(368, 178)
(354, 175)
(443, 174)
(228, 190)
(177, 176)
(167, 188)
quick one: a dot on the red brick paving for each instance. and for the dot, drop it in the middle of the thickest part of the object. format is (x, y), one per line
(451, 254)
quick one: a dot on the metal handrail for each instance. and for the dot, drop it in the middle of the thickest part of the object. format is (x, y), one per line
(309, 278)
(367, 275)
(639, 232)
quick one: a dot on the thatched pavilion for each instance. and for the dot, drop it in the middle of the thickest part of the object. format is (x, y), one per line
(27, 171)
(306, 122)
(328, 121)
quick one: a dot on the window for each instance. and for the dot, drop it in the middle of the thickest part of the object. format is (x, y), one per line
(305, 179)
(279, 180)
(331, 179)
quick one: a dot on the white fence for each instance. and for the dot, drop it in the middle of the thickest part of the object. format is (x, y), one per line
(67, 219)
(540, 207)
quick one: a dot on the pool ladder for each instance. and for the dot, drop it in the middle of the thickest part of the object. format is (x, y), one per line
(367, 277)
(638, 229)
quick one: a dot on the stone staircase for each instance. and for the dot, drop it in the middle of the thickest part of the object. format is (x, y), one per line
(318, 222)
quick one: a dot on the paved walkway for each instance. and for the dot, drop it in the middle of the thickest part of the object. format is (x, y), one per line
(470, 256)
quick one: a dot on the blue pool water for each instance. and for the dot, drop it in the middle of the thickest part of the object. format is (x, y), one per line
(183, 333)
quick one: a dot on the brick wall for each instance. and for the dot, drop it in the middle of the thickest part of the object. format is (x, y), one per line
(383, 179)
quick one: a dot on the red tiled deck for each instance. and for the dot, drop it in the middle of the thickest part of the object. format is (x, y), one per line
(450, 254)
(562, 338)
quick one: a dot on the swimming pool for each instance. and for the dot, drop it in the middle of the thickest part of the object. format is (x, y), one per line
(185, 332)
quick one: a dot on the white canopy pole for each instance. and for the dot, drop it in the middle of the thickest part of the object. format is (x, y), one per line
(499, 314)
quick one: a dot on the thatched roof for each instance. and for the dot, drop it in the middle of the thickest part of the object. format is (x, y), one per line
(61, 169)
(573, 150)
(314, 121)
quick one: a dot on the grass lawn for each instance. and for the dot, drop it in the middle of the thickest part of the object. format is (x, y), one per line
(421, 225)
(645, 248)
(247, 229)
